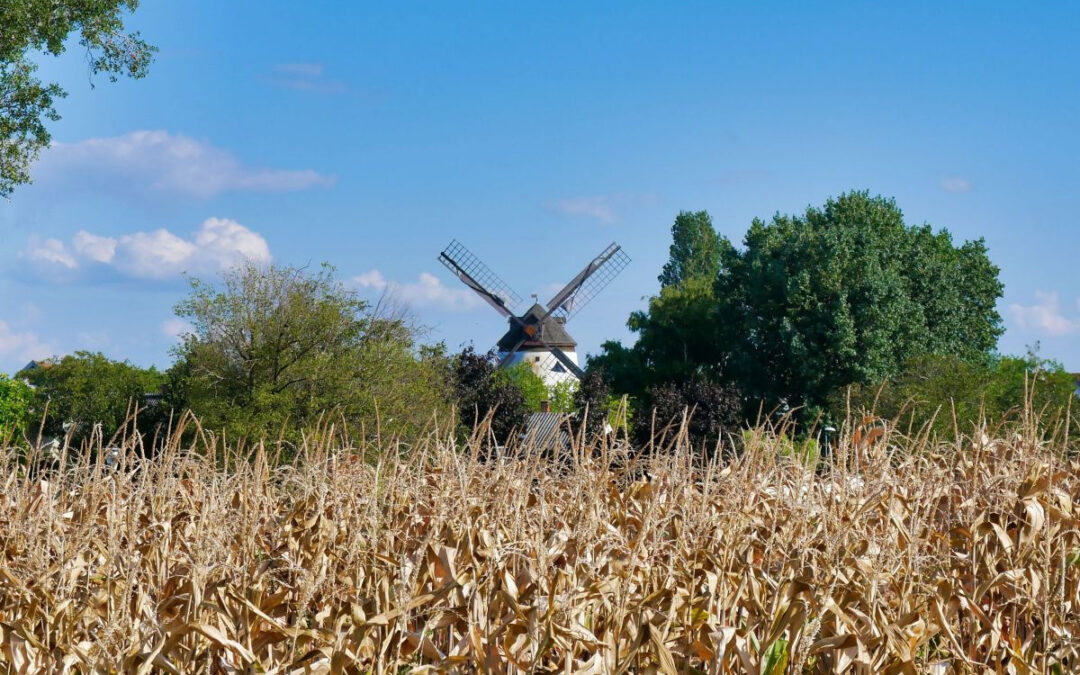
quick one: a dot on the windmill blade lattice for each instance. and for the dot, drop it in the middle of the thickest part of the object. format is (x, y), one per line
(612, 260)
(476, 275)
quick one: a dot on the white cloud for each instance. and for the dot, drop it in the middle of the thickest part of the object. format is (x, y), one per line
(606, 209)
(598, 208)
(956, 184)
(426, 291)
(154, 255)
(93, 247)
(1045, 316)
(51, 252)
(165, 162)
(22, 346)
(218, 244)
(175, 327)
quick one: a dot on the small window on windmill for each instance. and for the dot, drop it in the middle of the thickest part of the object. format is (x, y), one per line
(558, 368)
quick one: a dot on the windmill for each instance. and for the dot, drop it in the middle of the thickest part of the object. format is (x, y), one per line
(537, 336)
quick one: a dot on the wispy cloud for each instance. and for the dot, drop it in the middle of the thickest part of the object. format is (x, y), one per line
(427, 291)
(219, 243)
(93, 340)
(606, 209)
(164, 162)
(309, 77)
(1045, 316)
(22, 346)
(956, 184)
(596, 208)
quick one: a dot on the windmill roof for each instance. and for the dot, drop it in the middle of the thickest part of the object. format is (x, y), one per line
(552, 331)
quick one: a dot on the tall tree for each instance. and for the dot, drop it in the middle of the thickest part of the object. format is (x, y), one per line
(846, 294)
(695, 249)
(26, 103)
(676, 343)
(840, 295)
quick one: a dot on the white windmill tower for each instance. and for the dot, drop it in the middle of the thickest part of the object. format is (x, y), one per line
(538, 336)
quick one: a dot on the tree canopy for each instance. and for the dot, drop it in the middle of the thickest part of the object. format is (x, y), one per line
(695, 249)
(26, 103)
(277, 345)
(843, 294)
(87, 390)
(846, 294)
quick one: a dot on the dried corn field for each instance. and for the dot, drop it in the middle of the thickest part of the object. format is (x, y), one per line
(904, 557)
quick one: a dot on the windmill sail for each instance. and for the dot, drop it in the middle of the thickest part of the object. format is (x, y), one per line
(589, 282)
(479, 277)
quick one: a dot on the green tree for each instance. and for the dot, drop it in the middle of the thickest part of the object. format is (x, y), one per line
(274, 349)
(695, 249)
(676, 343)
(676, 335)
(561, 395)
(530, 384)
(85, 390)
(43, 26)
(848, 294)
(840, 295)
(16, 408)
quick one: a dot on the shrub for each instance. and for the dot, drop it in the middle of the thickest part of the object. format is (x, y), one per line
(943, 394)
(714, 410)
(16, 407)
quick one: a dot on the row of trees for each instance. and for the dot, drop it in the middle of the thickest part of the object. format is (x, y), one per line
(271, 352)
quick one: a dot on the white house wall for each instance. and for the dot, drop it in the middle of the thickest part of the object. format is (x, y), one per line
(542, 363)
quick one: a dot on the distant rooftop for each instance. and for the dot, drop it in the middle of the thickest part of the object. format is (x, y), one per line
(547, 431)
(43, 364)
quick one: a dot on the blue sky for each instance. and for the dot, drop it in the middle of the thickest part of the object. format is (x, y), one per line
(370, 136)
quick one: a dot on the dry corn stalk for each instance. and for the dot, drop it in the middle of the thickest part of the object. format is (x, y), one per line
(903, 557)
